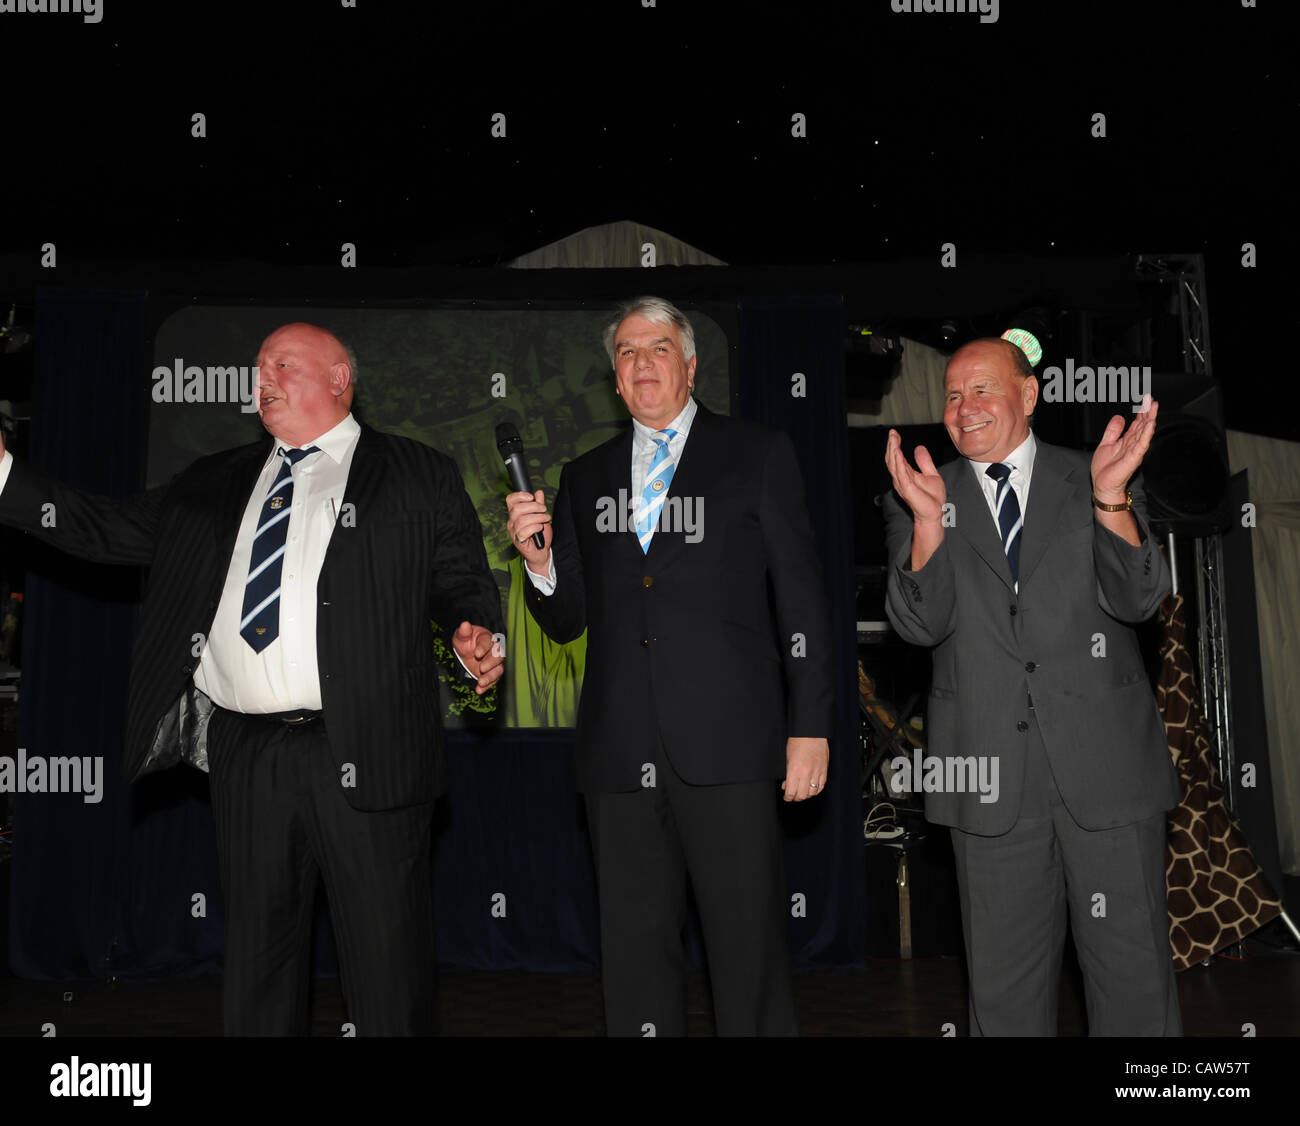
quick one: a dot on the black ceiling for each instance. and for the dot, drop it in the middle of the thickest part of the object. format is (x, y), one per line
(372, 125)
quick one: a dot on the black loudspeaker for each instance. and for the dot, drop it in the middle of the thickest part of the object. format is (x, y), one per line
(1186, 469)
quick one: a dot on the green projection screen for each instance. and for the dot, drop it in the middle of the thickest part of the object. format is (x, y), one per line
(445, 376)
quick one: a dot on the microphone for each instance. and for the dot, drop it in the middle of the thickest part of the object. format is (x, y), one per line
(512, 451)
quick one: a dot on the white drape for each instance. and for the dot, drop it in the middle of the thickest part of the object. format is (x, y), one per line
(614, 246)
(1274, 467)
(915, 395)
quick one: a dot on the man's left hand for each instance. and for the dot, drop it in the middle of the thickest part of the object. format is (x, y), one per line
(806, 764)
(1120, 453)
(482, 656)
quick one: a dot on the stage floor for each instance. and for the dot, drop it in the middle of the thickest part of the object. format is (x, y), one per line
(884, 998)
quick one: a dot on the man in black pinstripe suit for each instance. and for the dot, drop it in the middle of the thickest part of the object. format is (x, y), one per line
(323, 743)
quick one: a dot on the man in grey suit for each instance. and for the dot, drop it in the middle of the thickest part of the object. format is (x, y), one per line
(1039, 686)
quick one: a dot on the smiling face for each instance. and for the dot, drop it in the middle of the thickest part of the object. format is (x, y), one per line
(654, 378)
(304, 384)
(988, 401)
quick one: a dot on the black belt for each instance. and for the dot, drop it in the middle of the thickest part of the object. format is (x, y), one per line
(292, 719)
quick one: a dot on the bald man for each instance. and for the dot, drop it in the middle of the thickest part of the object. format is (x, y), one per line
(1024, 568)
(285, 646)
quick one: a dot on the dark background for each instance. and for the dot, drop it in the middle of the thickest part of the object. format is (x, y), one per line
(371, 125)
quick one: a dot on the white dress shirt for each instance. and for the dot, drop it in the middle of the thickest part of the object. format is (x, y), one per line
(644, 445)
(1021, 461)
(284, 676)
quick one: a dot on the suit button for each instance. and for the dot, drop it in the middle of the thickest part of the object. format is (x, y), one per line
(187, 669)
(1013, 611)
(1022, 726)
(1030, 666)
(647, 581)
(645, 643)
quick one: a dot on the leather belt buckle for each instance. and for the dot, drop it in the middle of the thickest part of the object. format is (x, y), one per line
(297, 719)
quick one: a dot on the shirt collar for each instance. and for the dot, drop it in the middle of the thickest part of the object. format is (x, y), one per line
(1021, 458)
(335, 442)
(681, 424)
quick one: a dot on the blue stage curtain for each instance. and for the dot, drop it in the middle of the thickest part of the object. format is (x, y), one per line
(78, 868)
(780, 339)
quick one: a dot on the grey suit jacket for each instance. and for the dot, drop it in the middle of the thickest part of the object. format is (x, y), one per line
(1067, 640)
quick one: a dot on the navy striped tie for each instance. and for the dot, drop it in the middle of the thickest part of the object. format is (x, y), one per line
(1010, 521)
(259, 620)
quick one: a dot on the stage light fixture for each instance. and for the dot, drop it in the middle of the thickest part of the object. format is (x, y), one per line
(13, 337)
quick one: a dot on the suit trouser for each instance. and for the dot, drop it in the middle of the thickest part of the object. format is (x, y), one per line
(728, 839)
(1016, 891)
(282, 824)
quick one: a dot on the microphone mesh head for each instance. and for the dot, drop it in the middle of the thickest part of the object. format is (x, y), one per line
(508, 440)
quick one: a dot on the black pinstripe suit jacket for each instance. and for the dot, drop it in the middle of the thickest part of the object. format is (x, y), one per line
(408, 547)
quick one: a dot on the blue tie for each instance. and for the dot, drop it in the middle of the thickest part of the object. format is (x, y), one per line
(1010, 520)
(657, 480)
(259, 621)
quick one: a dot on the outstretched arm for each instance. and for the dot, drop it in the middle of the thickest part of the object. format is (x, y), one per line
(84, 524)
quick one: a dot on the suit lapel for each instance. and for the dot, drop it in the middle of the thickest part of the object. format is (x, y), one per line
(241, 477)
(697, 469)
(1049, 490)
(975, 521)
(361, 497)
(614, 473)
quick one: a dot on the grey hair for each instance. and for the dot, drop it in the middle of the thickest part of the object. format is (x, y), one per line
(352, 357)
(657, 311)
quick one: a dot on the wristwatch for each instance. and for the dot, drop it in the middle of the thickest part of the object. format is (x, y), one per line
(1127, 506)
